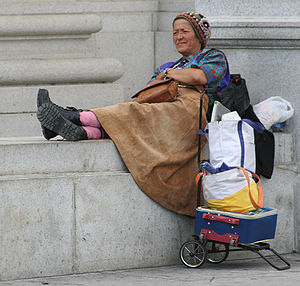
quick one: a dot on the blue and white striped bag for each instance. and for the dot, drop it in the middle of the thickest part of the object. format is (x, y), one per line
(232, 144)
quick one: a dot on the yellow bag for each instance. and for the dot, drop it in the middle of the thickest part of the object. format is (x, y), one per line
(233, 190)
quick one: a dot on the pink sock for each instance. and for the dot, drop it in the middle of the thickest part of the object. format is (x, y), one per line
(88, 118)
(92, 132)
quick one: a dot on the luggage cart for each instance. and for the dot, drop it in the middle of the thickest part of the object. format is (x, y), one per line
(219, 232)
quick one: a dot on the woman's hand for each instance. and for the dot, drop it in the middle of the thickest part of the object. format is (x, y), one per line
(161, 76)
(158, 78)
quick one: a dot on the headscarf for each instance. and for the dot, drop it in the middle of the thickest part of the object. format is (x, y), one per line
(200, 25)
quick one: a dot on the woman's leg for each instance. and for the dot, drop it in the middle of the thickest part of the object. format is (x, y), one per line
(92, 126)
(88, 118)
(93, 132)
(67, 122)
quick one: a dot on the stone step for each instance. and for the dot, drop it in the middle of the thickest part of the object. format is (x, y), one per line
(18, 106)
(60, 156)
(35, 155)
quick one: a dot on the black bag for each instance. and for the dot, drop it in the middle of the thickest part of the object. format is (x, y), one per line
(264, 147)
(235, 96)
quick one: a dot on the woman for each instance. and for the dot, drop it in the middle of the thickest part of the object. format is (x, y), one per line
(158, 142)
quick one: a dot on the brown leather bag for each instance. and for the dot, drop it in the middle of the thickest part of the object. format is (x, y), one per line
(162, 91)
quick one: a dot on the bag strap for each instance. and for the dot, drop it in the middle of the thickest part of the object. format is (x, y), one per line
(242, 142)
(258, 126)
(198, 180)
(260, 192)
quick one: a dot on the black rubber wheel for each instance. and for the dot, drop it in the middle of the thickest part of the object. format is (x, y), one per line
(217, 252)
(192, 254)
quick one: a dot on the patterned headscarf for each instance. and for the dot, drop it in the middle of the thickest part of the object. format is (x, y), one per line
(200, 25)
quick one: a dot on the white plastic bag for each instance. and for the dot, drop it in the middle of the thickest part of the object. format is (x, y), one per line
(273, 110)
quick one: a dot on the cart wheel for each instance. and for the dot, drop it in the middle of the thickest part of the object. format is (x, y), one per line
(192, 254)
(217, 252)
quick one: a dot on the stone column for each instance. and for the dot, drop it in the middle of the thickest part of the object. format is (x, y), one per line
(44, 47)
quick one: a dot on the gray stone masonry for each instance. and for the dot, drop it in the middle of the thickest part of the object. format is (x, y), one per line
(76, 209)
(68, 208)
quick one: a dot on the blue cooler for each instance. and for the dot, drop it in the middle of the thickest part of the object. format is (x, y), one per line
(235, 228)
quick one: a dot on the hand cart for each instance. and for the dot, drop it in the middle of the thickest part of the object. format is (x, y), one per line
(218, 232)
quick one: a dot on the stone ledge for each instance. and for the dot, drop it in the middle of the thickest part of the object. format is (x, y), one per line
(247, 32)
(243, 8)
(84, 223)
(19, 104)
(45, 25)
(35, 155)
(68, 156)
(53, 71)
(22, 99)
(252, 22)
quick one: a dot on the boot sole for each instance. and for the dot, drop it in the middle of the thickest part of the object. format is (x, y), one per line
(51, 119)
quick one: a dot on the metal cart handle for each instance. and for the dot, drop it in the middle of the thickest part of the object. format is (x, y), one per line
(206, 90)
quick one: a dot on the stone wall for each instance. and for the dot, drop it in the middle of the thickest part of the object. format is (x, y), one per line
(76, 49)
(73, 207)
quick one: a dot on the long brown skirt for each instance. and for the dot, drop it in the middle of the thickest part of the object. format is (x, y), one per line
(159, 144)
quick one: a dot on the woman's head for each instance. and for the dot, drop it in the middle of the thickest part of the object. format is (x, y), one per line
(191, 32)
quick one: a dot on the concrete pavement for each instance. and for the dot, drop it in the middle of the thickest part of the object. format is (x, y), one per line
(231, 272)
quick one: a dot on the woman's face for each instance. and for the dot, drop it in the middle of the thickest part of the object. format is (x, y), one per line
(184, 38)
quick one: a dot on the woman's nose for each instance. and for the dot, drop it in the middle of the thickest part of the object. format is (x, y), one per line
(179, 35)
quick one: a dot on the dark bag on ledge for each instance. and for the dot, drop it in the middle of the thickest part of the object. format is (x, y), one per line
(162, 91)
(235, 96)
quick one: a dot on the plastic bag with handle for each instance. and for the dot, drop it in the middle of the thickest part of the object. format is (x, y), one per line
(273, 110)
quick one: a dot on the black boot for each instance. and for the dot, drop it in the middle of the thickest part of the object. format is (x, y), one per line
(50, 117)
(70, 113)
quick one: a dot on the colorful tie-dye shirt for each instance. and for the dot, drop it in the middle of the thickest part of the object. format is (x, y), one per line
(213, 64)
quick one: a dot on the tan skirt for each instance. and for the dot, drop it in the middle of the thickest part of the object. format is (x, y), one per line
(159, 144)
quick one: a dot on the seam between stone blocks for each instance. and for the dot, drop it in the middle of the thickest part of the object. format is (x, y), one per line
(74, 239)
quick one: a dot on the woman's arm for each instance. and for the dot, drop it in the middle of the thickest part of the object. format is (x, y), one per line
(208, 70)
(188, 76)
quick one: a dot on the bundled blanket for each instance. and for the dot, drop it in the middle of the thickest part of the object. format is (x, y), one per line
(158, 143)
